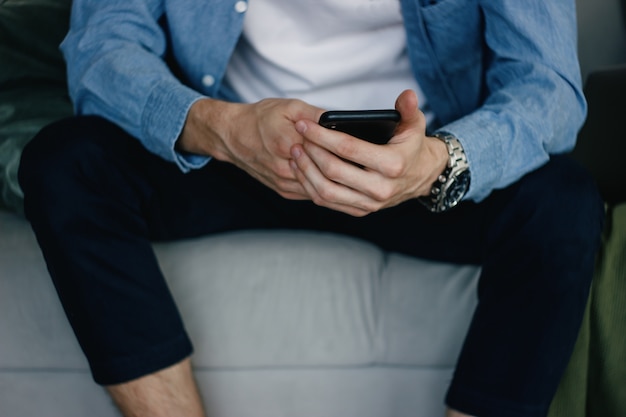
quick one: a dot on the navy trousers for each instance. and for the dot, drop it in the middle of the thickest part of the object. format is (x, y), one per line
(97, 199)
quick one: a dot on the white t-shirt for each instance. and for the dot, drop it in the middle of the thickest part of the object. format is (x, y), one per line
(336, 54)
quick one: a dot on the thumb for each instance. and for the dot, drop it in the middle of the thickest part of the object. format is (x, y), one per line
(407, 105)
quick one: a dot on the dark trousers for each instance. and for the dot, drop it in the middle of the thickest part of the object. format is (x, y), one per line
(96, 200)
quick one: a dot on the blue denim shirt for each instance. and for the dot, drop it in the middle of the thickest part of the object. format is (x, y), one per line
(501, 75)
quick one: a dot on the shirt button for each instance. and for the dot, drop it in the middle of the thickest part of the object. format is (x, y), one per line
(241, 6)
(208, 80)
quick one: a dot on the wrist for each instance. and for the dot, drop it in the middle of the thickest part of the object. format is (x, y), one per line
(439, 156)
(453, 182)
(205, 129)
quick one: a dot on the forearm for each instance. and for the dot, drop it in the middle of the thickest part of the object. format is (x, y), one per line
(115, 65)
(534, 104)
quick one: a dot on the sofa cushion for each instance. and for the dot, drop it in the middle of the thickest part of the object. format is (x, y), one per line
(300, 299)
(316, 299)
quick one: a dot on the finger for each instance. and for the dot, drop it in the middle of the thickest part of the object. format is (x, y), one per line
(293, 192)
(341, 144)
(281, 132)
(289, 189)
(299, 110)
(325, 192)
(314, 196)
(285, 185)
(411, 117)
(336, 169)
(407, 106)
(367, 183)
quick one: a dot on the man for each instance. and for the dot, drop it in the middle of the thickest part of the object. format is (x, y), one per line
(200, 117)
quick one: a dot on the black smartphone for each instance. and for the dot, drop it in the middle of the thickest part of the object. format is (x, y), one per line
(375, 126)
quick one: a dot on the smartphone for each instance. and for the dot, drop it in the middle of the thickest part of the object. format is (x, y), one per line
(375, 126)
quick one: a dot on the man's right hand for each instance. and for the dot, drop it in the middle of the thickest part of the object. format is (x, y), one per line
(255, 137)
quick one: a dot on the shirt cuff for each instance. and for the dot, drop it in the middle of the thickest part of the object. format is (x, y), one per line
(163, 120)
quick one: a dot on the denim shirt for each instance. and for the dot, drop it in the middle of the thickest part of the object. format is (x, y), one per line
(501, 75)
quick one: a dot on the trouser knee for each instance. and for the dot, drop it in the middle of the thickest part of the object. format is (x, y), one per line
(556, 214)
(62, 165)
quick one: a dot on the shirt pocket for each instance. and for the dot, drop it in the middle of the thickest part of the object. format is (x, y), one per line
(456, 32)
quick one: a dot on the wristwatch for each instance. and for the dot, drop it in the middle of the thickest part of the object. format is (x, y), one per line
(450, 187)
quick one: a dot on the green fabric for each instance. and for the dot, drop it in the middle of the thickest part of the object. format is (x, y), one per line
(606, 396)
(570, 399)
(594, 384)
(33, 90)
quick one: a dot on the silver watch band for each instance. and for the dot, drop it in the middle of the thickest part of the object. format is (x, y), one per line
(453, 183)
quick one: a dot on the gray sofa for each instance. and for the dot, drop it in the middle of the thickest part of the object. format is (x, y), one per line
(360, 333)
(284, 323)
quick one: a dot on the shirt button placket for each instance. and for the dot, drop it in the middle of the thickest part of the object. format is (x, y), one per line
(208, 80)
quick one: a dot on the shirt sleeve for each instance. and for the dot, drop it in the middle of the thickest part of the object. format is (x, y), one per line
(534, 103)
(115, 63)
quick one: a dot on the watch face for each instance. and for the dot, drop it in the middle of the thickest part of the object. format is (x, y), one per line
(457, 189)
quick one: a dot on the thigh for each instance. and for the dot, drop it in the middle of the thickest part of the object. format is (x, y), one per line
(455, 236)
(90, 158)
(219, 198)
(547, 210)
(96, 200)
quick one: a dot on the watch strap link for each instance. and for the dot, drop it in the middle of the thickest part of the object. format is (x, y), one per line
(453, 182)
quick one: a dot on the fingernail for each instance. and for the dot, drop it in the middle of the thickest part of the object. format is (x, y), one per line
(301, 127)
(296, 152)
